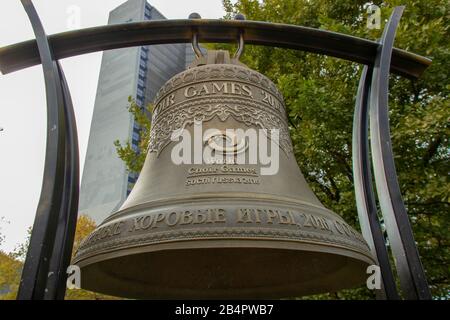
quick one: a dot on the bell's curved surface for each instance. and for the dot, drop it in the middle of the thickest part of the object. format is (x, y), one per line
(196, 227)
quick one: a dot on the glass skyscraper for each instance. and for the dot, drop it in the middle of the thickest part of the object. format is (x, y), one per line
(138, 72)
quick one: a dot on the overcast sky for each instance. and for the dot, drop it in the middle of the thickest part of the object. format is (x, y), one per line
(23, 105)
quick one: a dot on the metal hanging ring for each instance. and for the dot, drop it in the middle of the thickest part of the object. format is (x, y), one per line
(195, 46)
(240, 48)
(198, 52)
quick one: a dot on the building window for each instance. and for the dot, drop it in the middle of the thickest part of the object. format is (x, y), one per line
(147, 13)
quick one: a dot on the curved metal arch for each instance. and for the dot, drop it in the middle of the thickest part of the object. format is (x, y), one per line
(409, 267)
(54, 226)
(67, 221)
(72, 43)
(364, 194)
(32, 285)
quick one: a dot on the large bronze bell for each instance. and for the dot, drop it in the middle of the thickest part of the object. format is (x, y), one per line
(221, 229)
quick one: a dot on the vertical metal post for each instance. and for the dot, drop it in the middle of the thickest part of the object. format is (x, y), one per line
(401, 239)
(365, 198)
(56, 213)
(62, 250)
(35, 270)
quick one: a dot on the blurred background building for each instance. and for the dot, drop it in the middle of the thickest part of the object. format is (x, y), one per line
(138, 72)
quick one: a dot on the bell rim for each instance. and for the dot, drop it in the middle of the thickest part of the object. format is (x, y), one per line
(116, 252)
(351, 256)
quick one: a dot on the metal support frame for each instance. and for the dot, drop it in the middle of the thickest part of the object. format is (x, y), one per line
(409, 267)
(67, 220)
(364, 194)
(44, 273)
(51, 241)
(372, 103)
(68, 44)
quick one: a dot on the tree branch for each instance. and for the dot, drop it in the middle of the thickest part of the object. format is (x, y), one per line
(432, 149)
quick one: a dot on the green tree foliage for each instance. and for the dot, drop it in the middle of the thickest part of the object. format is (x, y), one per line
(85, 226)
(11, 265)
(320, 94)
(134, 158)
(10, 270)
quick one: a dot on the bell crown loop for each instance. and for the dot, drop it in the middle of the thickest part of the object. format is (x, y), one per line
(196, 47)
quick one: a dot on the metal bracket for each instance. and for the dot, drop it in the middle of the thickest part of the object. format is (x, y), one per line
(195, 46)
(44, 272)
